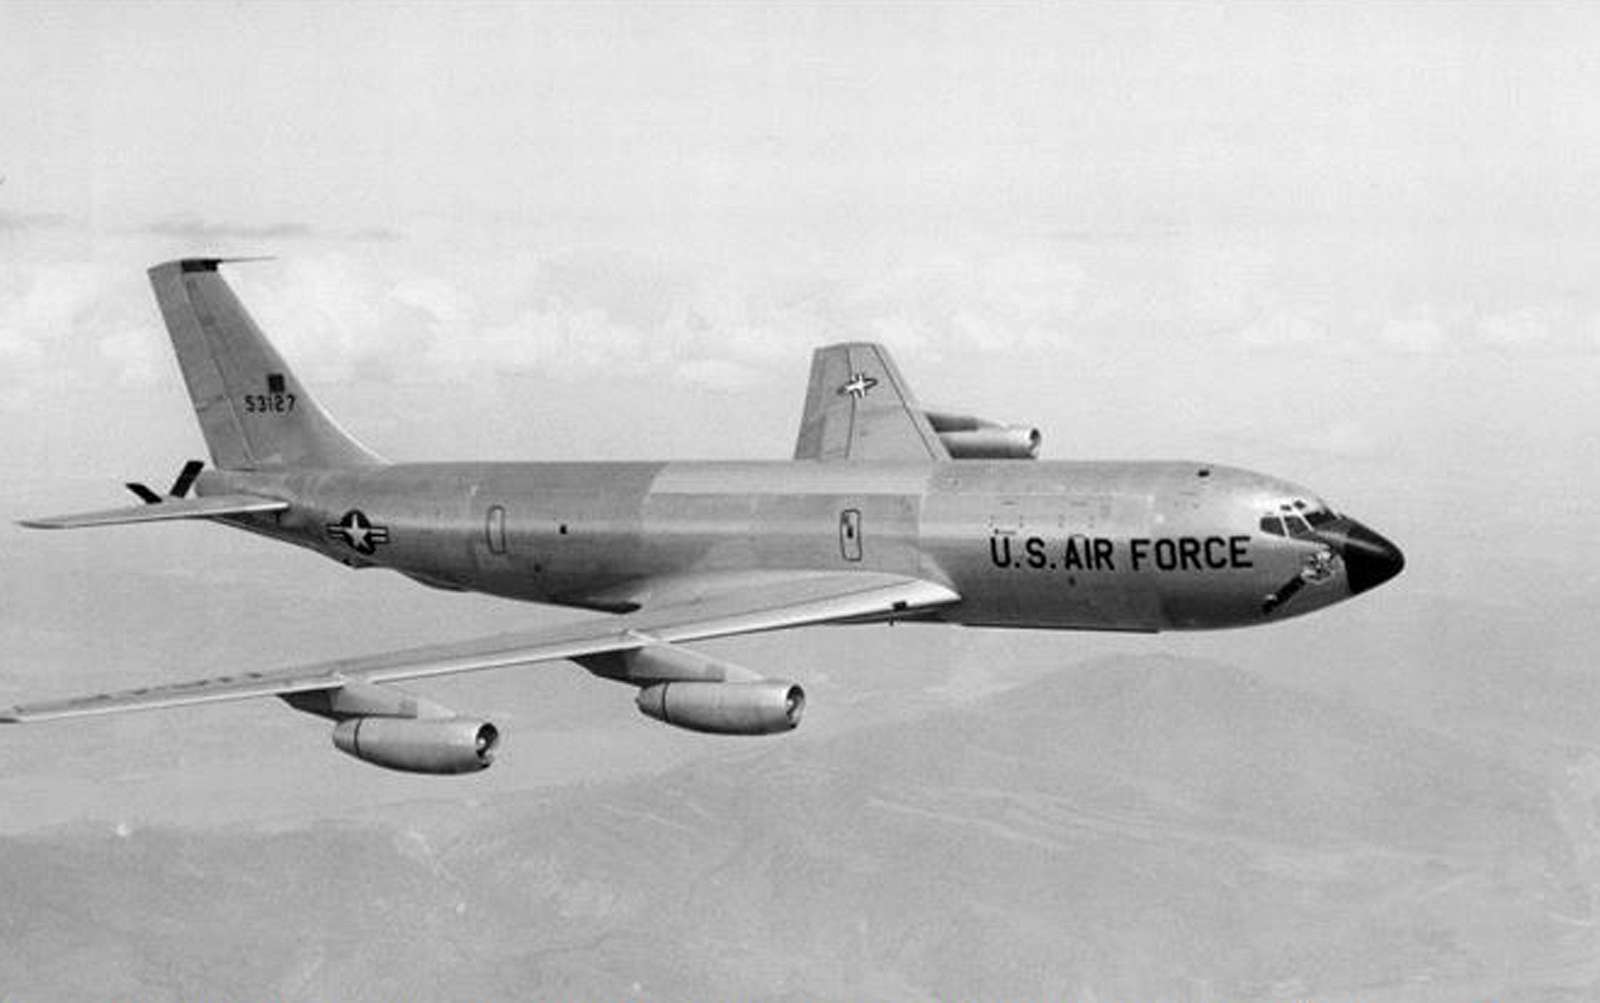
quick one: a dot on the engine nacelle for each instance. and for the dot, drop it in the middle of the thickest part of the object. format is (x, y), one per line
(419, 745)
(968, 437)
(1009, 442)
(754, 708)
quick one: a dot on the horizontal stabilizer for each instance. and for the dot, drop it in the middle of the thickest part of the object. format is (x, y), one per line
(209, 507)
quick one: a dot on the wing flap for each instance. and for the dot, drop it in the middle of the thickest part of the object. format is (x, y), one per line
(740, 607)
(209, 507)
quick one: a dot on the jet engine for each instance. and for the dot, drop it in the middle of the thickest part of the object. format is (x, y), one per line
(419, 745)
(967, 437)
(750, 708)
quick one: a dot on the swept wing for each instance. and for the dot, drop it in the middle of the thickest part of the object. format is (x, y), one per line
(696, 609)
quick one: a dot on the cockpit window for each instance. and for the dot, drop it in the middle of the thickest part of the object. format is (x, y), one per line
(1298, 518)
(1298, 528)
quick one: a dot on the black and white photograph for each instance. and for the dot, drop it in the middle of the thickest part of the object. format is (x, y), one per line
(799, 501)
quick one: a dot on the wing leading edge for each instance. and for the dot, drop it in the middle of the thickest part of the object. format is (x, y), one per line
(743, 606)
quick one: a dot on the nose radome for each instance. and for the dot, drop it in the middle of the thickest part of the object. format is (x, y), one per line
(1369, 559)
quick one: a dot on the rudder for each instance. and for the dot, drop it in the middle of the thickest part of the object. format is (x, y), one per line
(253, 412)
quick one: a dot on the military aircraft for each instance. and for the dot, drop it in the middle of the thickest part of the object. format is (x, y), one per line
(888, 512)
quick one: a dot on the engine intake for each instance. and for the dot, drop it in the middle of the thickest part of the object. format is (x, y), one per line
(754, 708)
(419, 745)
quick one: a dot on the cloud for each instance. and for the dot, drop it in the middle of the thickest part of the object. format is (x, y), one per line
(1283, 329)
(952, 299)
(1415, 333)
(564, 315)
(1558, 328)
(1347, 438)
(1033, 285)
(18, 221)
(138, 357)
(435, 297)
(71, 323)
(43, 302)
(332, 314)
(1525, 328)
(562, 340)
(1224, 281)
(376, 235)
(389, 309)
(717, 374)
(194, 228)
(200, 229)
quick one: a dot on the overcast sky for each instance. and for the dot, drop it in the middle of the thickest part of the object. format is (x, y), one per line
(698, 195)
(1348, 244)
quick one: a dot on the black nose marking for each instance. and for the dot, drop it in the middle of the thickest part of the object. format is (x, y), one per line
(1369, 559)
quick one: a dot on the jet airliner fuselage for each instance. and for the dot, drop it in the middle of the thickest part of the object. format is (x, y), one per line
(888, 512)
(1089, 546)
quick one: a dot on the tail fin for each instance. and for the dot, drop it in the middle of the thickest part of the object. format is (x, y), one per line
(858, 407)
(253, 411)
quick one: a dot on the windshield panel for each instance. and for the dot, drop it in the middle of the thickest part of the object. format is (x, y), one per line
(1298, 528)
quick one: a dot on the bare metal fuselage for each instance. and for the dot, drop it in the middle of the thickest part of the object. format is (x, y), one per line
(887, 512)
(1083, 545)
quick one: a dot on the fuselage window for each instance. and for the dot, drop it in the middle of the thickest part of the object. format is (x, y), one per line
(1270, 524)
(494, 529)
(850, 534)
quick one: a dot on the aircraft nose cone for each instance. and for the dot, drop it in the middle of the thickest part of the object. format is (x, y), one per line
(1369, 559)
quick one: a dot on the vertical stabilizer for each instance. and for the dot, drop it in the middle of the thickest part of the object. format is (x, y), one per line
(859, 408)
(253, 412)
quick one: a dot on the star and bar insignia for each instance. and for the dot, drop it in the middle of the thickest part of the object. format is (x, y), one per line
(859, 386)
(359, 532)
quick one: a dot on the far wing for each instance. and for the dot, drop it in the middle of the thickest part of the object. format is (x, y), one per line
(742, 605)
(209, 507)
(859, 408)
